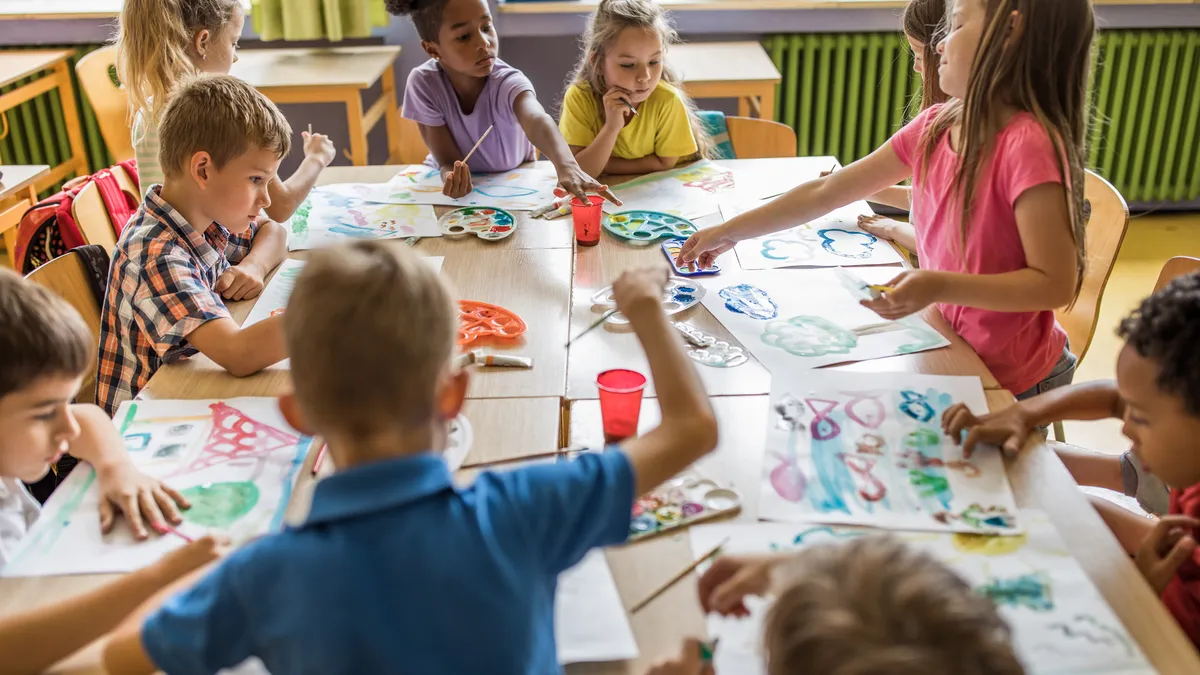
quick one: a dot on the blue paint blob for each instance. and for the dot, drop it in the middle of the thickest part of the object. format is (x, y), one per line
(683, 298)
(751, 301)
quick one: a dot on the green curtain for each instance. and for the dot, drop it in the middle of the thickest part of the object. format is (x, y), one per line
(332, 20)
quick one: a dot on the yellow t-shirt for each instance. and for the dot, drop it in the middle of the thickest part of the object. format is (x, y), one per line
(660, 128)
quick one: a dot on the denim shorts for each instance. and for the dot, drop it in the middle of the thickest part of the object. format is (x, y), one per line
(1149, 490)
(1060, 376)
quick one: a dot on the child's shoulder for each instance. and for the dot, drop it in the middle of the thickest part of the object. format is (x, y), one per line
(1025, 134)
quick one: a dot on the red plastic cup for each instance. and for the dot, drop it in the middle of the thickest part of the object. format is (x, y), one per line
(620, 403)
(587, 219)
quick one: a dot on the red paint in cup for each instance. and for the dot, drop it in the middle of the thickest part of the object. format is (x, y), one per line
(620, 403)
(587, 219)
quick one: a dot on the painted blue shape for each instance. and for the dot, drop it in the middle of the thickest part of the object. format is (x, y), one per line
(847, 243)
(916, 406)
(828, 493)
(751, 301)
(505, 191)
(356, 232)
(137, 442)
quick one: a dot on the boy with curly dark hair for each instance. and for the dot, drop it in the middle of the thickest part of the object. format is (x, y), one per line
(1157, 395)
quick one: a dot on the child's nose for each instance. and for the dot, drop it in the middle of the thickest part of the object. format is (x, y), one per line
(941, 46)
(67, 428)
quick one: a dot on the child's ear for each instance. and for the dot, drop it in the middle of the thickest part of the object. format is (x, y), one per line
(200, 43)
(290, 407)
(1016, 26)
(200, 168)
(431, 49)
(453, 394)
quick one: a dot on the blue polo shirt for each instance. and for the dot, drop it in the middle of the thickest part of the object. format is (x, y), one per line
(398, 571)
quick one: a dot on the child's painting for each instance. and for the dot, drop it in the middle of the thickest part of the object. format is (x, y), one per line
(1061, 624)
(328, 217)
(522, 189)
(868, 449)
(699, 189)
(832, 241)
(809, 319)
(235, 460)
(590, 623)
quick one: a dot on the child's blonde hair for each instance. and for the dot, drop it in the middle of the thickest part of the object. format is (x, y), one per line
(1039, 63)
(40, 335)
(154, 47)
(364, 366)
(924, 23)
(220, 115)
(875, 606)
(605, 27)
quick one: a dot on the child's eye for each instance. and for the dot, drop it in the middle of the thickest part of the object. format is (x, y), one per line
(487, 28)
(464, 37)
(628, 65)
(655, 63)
(257, 180)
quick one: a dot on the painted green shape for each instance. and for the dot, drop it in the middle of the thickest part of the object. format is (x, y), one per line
(922, 438)
(300, 217)
(924, 339)
(809, 336)
(220, 504)
(928, 485)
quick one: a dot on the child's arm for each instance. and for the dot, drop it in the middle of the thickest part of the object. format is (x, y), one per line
(891, 230)
(122, 486)
(897, 197)
(545, 136)
(247, 278)
(619, 166)
(33, 641)
(456, 176)
(880, 169)
(286, 196)
(241, 351)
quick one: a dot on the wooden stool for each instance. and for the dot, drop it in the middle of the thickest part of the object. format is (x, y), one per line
(331, 76)
(17, 65)
(18, 192)
(740, 70)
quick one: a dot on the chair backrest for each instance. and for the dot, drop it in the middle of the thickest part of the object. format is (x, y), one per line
(108, 100)
(759, 139)
(1104, 233)
(412, 148)
(68, 276)
(92, 218)
(1176, 267)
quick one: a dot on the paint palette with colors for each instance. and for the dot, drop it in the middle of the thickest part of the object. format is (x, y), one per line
(678, 295)
(672, 247)
(648, 225)
(679, 503)
(480, 320)
(489, 224)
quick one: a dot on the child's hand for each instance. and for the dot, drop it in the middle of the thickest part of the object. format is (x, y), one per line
(240, 282)
(1008, 428)
(575, 181)
(193, 556)
(617, 108)
(639, 290)
(457, 181)
(319, 146)
(141, 498)
(1167, 547)
(689, 662)
(725, 584)
(914, 290)
(877, 225)
(704, 247)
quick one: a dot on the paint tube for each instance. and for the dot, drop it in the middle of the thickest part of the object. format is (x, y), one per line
(502, 360)
(465, 359)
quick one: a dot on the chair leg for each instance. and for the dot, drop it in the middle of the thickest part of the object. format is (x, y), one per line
(1060, 434)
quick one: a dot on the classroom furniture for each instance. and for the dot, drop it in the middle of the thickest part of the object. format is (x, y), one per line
(1176, 267)
(738, 70)
(18, 65)
(18, 192)
(91, 215)
(67, 276)
(331, 75)
(108, 100)
(760, 139)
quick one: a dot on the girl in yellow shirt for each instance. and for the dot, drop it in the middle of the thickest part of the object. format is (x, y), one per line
(624, 113)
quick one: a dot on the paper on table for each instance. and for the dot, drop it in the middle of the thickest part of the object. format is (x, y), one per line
(1060, 622)
(590, 623)
(522, 189)
(830, 241)
(327, 217)
(699, 189)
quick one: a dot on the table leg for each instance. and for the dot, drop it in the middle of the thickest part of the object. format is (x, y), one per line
(744, 105)
(66, 94)
(767, 103)
(358, 132)
(391, 115)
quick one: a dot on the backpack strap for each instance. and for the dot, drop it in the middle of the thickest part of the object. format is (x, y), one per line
(120, 204)
(95, 261)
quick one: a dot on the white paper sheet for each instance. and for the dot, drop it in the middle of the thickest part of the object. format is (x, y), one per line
(699, 189)
(236, 461)
(590, 623)
(1060, 622)
(328, 217)
(809, 318)
(868, 449)
(522, 189)
(830, 241)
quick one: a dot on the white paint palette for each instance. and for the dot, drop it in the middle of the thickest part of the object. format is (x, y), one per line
(678, 295)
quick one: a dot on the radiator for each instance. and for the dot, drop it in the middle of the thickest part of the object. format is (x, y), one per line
(845, 94)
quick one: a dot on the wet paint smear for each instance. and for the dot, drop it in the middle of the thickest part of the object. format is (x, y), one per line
(683, 298)
(751, 301)
(220, 504)
(1030, 591)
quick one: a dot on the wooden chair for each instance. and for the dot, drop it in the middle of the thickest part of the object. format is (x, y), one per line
(1176, 267)
(68, 276)
(108, 100)
(759, 139)
(91, 216)
(412, 147)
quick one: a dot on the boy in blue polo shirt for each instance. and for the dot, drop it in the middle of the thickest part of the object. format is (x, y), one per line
(395, 568)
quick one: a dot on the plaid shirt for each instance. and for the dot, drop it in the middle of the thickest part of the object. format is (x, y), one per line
(160, 289)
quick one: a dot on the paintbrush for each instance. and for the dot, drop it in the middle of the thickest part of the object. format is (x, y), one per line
(630, 106)
(595, 324)
(675, 579)
(163, 528)
(476, 146)
(316, 467)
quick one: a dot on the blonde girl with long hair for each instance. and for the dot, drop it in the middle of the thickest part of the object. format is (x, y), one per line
(998, 188)
(625, 112)
(160, 43)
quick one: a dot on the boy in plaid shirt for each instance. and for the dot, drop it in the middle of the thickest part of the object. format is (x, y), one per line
(195, 239)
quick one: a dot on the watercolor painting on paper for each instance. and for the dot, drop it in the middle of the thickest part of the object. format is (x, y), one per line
(522, 189)
(832, 241)
(327, 218)
(701, 188)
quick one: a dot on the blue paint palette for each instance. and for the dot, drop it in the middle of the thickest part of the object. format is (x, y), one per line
(671, 248)
(648, 225)
(679, 503)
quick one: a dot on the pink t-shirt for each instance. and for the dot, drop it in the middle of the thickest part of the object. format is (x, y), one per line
(1020, 348)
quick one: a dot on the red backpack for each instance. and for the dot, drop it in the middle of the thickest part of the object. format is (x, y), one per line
(48, 230)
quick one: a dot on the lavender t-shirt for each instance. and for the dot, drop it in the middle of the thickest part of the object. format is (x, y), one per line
(429, 99)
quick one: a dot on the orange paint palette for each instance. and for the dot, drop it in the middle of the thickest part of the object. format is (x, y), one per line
(477, 320)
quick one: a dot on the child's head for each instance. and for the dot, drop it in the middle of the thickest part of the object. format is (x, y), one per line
(224, 139)
(379, 368)
(459, 34)
(626, 46)
(159, 42)
(1158, 376)
(923, 21)
(1030, 56)
(47, 350)
(875, 606)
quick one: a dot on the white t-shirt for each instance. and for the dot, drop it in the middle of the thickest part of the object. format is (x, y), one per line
(18, 511)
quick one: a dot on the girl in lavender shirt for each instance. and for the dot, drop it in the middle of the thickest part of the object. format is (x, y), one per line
(464, 88)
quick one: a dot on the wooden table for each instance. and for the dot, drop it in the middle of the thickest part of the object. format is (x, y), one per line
(18, 192)
(331, 75)
(18, 65)
(1039, 481)
(740, 70)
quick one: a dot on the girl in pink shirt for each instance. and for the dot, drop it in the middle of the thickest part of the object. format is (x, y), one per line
(997, 187)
